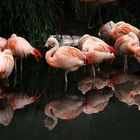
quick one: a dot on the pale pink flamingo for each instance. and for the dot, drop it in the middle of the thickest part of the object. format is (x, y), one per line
(6, 63)
(128, 44)
(6, 112)
(96, 101)
(65, 57)
(66, 108)
(95, 49)
(21, 48)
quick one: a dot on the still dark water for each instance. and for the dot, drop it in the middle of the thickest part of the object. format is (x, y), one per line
(109, 111)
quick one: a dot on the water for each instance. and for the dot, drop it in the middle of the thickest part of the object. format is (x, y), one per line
(113, 113)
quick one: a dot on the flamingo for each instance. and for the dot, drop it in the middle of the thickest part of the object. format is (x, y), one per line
(21, 48)
(112, 31)
(95, 49)
(128, 44)
(66, 108)
(123, 28)
(65, 57)
(6, 63)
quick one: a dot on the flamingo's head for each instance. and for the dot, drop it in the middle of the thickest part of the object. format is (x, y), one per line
(13, 35)
(51, 41)
(105, 30)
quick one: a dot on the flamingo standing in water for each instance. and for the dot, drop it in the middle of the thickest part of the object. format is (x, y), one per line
(128, 44)
(6, 63)
(21, 48)
(65, 57)
(95, 49)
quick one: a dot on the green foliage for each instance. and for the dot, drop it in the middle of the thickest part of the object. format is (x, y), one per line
(32, 19)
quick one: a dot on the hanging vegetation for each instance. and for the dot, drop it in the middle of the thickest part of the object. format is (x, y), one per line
(32, 19)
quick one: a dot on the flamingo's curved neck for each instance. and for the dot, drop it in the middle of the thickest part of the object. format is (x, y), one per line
(56, 44)
(49, 55)
(51, 120)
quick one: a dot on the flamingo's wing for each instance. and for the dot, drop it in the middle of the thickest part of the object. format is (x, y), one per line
(6, 64)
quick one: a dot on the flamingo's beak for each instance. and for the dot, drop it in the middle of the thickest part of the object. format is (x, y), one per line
(46, 44)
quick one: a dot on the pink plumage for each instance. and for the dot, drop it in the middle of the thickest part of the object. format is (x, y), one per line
(6, 63)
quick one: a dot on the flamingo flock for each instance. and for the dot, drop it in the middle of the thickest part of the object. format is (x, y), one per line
(91, 50)
(12, 48)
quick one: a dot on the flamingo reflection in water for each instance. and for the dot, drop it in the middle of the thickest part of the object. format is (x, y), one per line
(96, 101)
(85, 83)
(12, 99)
(120, 78)
(129, 92)
(66, 108)
(6, 112)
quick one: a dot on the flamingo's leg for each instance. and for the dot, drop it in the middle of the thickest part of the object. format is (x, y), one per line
(125, 64)
(15, 78)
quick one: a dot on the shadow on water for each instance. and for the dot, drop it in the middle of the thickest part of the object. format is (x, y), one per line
(110, 110)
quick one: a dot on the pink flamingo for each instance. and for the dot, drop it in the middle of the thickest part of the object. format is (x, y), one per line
(6, 63)
(123, 28)
(128, 44)
(113, 31)
(95, 49)
(65, 57)
(21, 48)
(66, 108)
